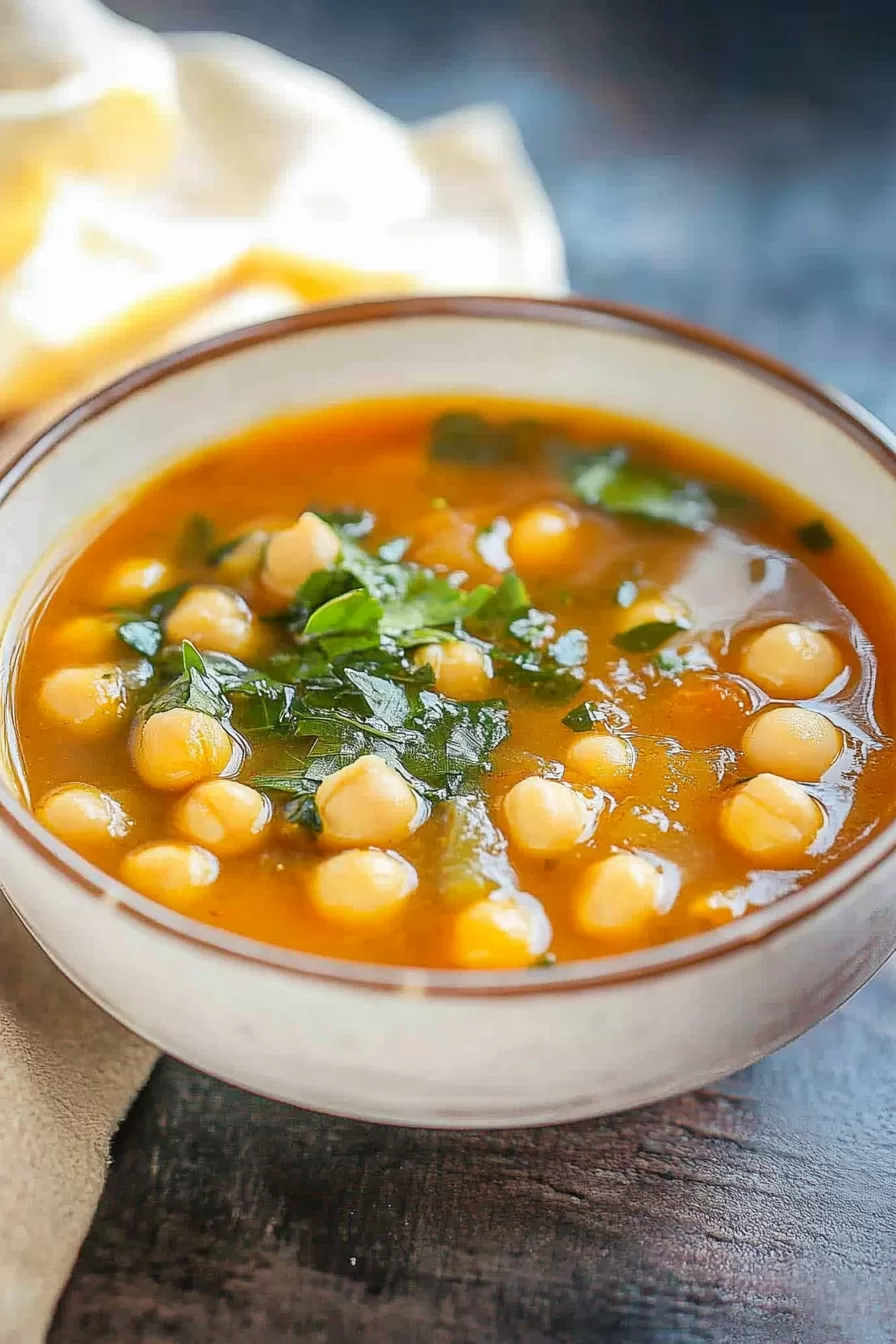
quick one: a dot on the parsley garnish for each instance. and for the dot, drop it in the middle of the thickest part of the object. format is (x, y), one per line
(526, 650)
(349, 686)
(440, 746)
(196, 543)
(649, 636)
(609, 480)
(815, 536)
(196, 688)
(583, 718)
(467, 439)
(304, 812)
(143, 631)
(144, 636)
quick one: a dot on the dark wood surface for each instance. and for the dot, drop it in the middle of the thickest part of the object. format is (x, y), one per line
(737, 165)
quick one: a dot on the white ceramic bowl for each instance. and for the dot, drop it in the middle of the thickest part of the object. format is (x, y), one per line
(448, 1048)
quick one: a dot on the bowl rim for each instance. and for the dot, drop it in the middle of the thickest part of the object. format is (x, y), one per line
(754, 927)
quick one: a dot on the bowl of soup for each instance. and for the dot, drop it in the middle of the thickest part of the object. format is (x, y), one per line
(455, 711)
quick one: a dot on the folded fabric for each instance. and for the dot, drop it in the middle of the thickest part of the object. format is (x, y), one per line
(142, 177)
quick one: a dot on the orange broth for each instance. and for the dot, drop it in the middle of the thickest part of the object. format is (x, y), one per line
(685, 720)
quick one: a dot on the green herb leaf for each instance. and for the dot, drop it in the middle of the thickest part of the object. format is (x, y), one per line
(670, 663)
(351, 612)
(649, 636)
(304, 812)
(322, 586)
(197, 541)
(285, 781)
(143, 630)
(815, 536)
(592, 473)
(452, 743)
(139, 676)
(441, 746)
(161, 604)
(306, 664)
(466, 439)
(538, 673)
(355, 523)
(383, 579)
(510, 599)
(145, 636)
(535, 628)
(610, 481)
(385, 699)
(432, 601)
(196, 688)
(584, 717)
(193, 660)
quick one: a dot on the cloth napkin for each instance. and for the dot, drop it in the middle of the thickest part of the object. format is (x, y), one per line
(153, 191)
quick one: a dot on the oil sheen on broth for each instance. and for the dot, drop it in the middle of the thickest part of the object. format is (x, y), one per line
(485, 685)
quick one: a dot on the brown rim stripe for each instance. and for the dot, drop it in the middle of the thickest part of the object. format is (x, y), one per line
(756, 927)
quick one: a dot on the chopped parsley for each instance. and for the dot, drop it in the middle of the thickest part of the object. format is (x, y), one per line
(196, 688)
(586, 715)
(608, 479)
(815, 536)
(649, 636)
(466, 439)
(441, 746)
(196, 544)
(143, 631)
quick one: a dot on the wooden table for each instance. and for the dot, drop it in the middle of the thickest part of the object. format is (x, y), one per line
(737, 168)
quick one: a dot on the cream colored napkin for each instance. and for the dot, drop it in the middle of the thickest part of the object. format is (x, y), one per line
(153, 191)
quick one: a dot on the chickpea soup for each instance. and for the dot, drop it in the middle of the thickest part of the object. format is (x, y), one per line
(480, 685)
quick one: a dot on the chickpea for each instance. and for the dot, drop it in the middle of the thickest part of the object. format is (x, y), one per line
(131, 582)
(667, 610)
(366, 803)
(179, 747)
(543, 537)
(224, 816)
(545, 817)
(793, 742)
(291, 556)
(602, 759)
(89, 702)
(170, 871)
(83, 816)
(617, 896)
(462, 671)
(791, 662)
(499, 933)
(360, 888)
(772, 821)
(86, 639)
(212, 618)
